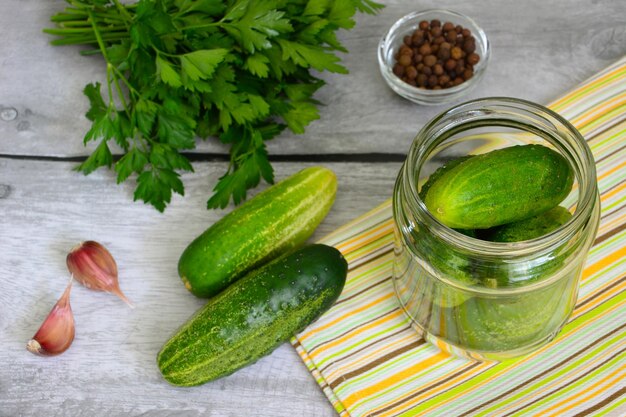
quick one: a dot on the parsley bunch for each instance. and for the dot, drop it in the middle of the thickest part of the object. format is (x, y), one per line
(180, 69)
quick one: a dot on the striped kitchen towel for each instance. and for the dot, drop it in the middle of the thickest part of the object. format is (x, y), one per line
(369, 361)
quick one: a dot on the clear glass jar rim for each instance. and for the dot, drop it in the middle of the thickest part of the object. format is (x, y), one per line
(587, 183)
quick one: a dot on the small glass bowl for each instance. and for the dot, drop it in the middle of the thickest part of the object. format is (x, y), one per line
(393, 39)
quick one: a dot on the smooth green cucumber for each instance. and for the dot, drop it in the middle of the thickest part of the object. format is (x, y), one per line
(277, 220)
(527, 229)
(254, 315)
(499, 187)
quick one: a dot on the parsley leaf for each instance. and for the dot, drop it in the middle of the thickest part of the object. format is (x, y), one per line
(133, 161)
(252, 23)
(100, 157)
(310, 56)
(156, 185)
(202, 64)
(238, 70)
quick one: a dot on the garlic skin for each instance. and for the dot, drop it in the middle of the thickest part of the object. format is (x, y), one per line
(56, 333)
(93, 266)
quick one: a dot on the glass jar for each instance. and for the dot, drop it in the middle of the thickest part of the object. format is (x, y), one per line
(490, 300)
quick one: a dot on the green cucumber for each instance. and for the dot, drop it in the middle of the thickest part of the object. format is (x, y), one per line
(499, 187)
(254, 315)
(439, 172)
(527, 229)
(275, 221)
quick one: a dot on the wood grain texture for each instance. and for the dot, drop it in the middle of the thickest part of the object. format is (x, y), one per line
(540, 50)
(110, 369)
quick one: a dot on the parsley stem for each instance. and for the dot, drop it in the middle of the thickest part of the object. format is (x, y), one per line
(123, 12)
(120, 93)
(109, 89)
(160, 52)
(125, 81)
(111, 76)
(205, 25)
(82, 30)
(96, 32)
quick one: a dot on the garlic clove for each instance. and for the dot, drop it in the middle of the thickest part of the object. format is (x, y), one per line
(56, 333)
(93, 266)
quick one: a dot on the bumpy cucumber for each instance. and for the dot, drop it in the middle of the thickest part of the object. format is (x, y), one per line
(439, 172)
(254, 315)
(275, 221)
(532, 228)
(499, 187)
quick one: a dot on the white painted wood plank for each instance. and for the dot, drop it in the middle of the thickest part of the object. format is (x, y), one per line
(110, 369)
(540, 50)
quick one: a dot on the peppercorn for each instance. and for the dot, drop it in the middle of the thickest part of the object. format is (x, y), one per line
(444, 52)
(405, 50)
(425, 49)
(473, 58)
(411, 72)
(469, 45)
(418, 38)
(456, 53)
(430, 60)
(405, 60)
(451, 36)
(398, 70)
(436, 55)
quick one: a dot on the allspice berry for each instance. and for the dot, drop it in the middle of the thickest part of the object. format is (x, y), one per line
(425, 49)
(430, 60)
(473, 58)
(405, 60)
(456, 53)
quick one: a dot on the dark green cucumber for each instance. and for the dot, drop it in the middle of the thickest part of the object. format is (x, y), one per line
(275, 221)
(499, 187)
(254, 315)
(527, 229)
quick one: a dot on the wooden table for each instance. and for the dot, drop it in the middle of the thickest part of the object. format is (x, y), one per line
(540, 50)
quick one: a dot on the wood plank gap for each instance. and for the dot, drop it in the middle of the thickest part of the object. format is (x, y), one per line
(221, 157)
